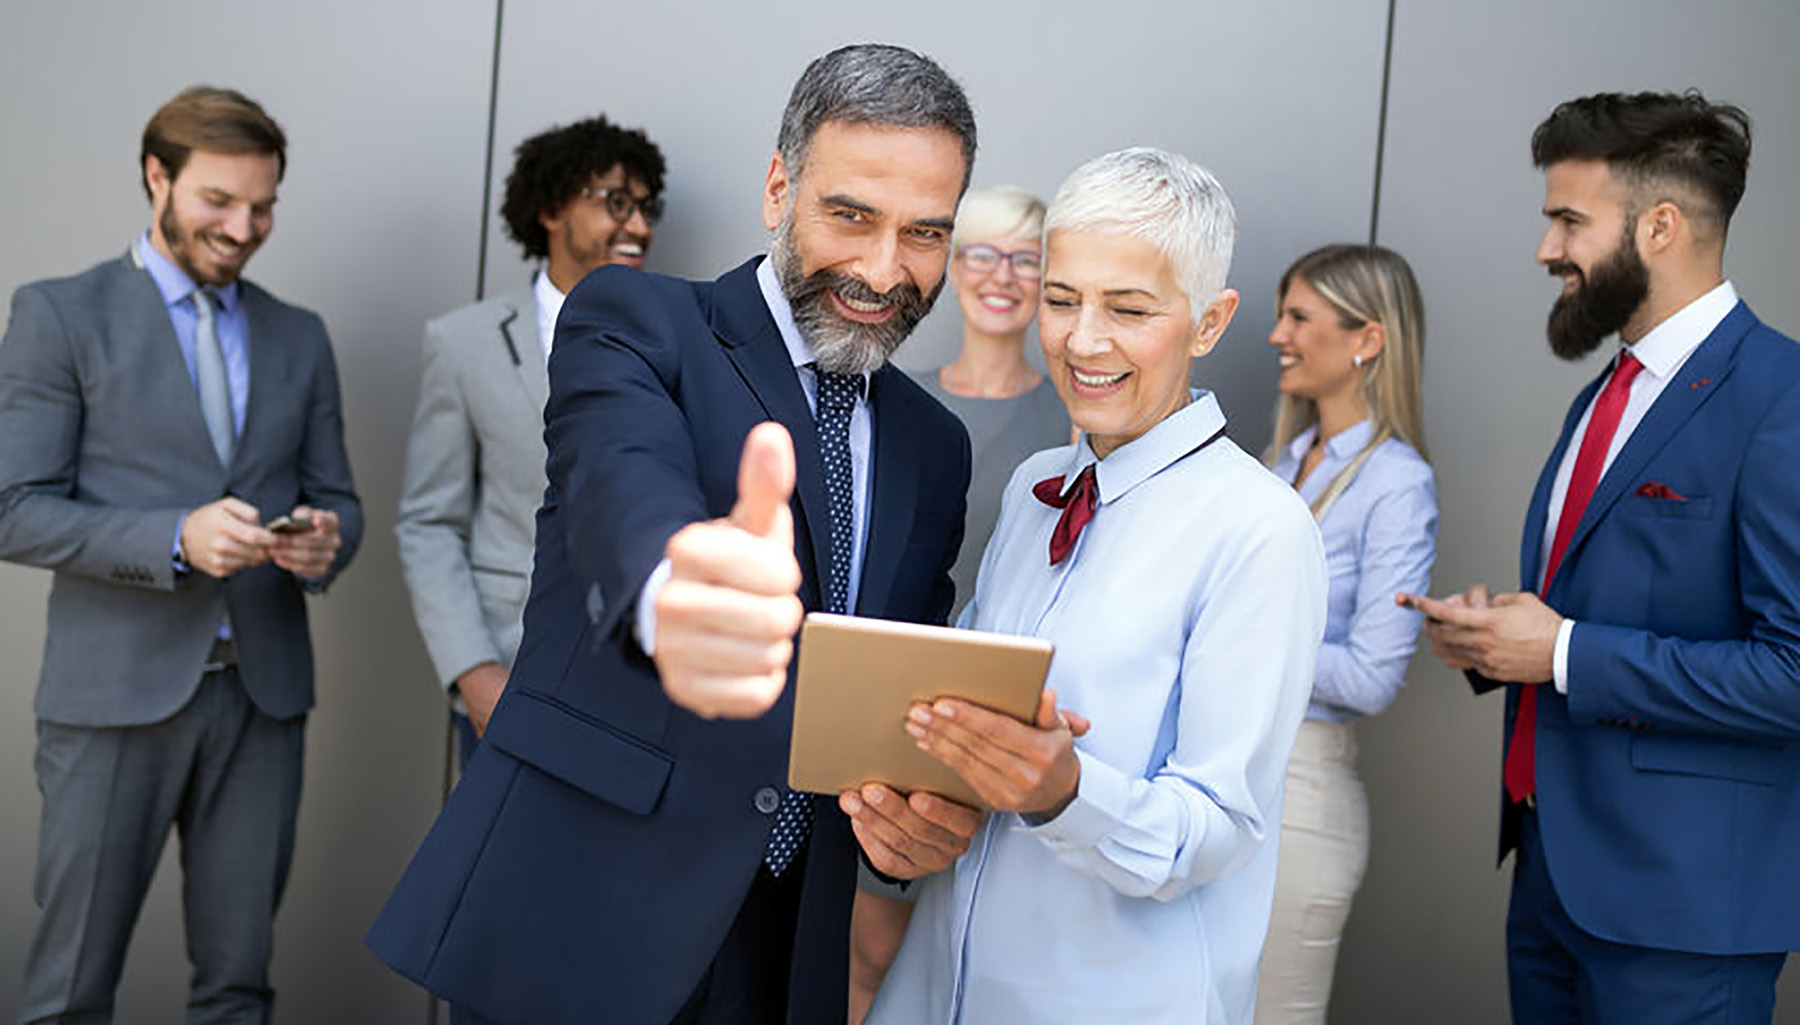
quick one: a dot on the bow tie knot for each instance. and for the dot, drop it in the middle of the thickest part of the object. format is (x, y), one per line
(1077, 505)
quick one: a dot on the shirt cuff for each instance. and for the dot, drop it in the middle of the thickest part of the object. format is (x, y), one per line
(646, 606)
(1101, 797)
(1559, 663)
(181, 568)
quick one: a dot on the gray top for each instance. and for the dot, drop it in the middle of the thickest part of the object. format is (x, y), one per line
(1002, 432)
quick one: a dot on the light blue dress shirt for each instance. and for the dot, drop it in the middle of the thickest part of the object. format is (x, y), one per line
(177, 291)
(1380, 539)
(1185, 624)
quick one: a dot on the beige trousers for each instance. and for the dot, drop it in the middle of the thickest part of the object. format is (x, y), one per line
(1324, 849)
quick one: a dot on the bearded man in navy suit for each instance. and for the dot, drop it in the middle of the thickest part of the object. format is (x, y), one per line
(1652, 659)
(623, 847)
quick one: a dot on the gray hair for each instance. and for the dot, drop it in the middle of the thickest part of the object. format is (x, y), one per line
(874, 84)
(1162, 198)
(995, 212)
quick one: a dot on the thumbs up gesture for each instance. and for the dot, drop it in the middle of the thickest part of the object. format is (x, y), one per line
(726, 617)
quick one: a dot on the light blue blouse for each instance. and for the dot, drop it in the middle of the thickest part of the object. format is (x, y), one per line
(1380, 538)
(1185, 623)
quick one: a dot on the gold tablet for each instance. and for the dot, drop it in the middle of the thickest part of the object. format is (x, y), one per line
(859, 676)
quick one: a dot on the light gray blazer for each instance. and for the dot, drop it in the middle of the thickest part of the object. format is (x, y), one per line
(474, 481)
(103, 448)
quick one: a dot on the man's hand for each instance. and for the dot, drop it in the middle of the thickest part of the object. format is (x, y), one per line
(1510, 637)
(1013, 766)
(480, 688)
(908, 837)
(726, 617)
(308, 554)
(223, 537)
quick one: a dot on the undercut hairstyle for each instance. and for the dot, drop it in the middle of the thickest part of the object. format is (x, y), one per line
(1162, 198)
(1678, 148)
(551, 168)
(874, 84)
(213, 120)
(1000, 211)
(1366, 285)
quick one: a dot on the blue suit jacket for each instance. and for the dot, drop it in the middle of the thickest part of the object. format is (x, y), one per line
(595, 854)
(1669, 777)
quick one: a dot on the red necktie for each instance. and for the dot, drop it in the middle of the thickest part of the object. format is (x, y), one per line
(1077, 506)
(1520, 768)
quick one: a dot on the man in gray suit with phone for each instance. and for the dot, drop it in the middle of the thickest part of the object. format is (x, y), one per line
(578, 197)
(156, 410)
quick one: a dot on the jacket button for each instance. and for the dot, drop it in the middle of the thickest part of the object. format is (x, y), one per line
(767, 799)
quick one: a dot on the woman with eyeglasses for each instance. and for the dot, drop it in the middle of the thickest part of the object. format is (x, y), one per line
(1350, 437)
(1011, 411)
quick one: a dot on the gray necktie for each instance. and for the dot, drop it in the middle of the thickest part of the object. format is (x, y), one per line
(209, 370)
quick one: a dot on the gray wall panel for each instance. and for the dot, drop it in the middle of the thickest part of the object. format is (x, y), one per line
(1234, 86)
(385, 105)
(1461, 200)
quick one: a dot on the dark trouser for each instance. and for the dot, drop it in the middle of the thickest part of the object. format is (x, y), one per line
(227, 778)
(747, 983)
(1559, 973)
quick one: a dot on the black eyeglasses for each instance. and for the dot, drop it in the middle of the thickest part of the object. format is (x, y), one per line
(621, 204)
(984, 259)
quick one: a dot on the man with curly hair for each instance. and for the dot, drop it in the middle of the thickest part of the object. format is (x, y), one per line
(579, 196)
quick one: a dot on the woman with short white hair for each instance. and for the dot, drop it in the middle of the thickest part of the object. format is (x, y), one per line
(1127, 872)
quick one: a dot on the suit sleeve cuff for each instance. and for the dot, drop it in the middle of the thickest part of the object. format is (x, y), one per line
(1560, 661)
(646, 608)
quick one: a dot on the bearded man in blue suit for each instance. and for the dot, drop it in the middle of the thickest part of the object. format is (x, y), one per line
(1652, 659)
(623, 847)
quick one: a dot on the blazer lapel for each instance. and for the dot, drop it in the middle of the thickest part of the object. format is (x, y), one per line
(741, 320)
(1696, 382)
(1531, 549)
(167, 365)
(519, 334)
(268, 364)
(896, 466)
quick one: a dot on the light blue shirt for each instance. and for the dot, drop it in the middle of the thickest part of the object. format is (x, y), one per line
(177, 292)
(1185, 623)
(1380, 539)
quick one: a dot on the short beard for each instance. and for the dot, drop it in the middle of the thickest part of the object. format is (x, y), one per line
(1602, 302)
(181, 244)
(840, 345)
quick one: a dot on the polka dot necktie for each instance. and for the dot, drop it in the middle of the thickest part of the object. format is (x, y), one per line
(837, 399)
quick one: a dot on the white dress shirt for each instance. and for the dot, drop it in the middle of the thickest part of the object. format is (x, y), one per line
(861, 479)
(1662, 351)
(1186, 621)
(549, 304)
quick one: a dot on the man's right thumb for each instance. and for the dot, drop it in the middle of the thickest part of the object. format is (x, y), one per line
(765, 479)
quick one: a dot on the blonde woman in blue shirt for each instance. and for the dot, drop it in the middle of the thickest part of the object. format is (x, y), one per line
(1350, 335)
(1127, 874)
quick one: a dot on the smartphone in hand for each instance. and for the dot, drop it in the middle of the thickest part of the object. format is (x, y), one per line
(289, 525)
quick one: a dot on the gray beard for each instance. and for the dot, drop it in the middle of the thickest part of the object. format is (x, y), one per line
(840, 345)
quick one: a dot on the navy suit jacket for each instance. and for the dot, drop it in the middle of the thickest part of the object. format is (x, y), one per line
(1669, 777)
(595, 854)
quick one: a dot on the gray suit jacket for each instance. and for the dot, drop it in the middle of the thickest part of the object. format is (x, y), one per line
(474, 481)
(102, 450)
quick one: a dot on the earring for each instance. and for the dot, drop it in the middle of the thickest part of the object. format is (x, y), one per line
(1357, 361)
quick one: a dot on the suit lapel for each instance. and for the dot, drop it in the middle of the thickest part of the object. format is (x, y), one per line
(741, 320)
(268, 362)
(166, 363)
(518, 329)
(1531, 549)
(1697, 381)
(896, 468)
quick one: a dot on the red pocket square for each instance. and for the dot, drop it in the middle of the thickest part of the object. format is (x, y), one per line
(1657, 489)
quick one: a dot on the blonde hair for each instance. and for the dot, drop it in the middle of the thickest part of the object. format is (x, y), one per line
(1366, 284)
(997, 212)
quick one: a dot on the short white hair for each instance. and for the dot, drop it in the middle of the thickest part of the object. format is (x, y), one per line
(1163, 198)
(998, 211)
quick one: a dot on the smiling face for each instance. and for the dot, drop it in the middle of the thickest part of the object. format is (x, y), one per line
(997, 301)
(862, 235)
(584, 234)
(1316, 350)
(212, 217)
(1119, 333)
(1591, 244)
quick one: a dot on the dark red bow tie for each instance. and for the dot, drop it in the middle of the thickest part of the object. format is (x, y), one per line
(1077, 506)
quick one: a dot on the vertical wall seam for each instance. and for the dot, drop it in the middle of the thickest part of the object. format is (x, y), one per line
(487, 169)
(1387, 72)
